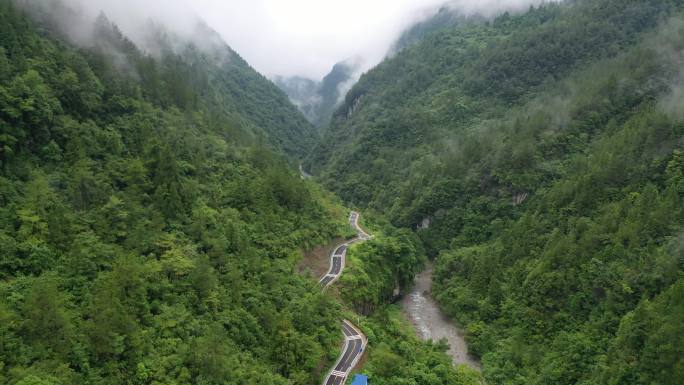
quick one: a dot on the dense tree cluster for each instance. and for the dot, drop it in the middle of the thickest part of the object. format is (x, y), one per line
(379, 270)
(146, 235)
(149, 229)
(544, 153)
(399, 358)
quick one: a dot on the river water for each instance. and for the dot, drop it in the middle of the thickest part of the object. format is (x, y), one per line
(431, 323)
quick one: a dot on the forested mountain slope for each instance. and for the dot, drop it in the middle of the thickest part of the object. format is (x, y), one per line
(147, 235)
(192, 71)
(543, 151)
(410, 104)
(318, 100)
(444, 19)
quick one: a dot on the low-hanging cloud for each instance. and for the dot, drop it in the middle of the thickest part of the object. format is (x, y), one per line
(669, 46)
(307, 37)
(293, 37)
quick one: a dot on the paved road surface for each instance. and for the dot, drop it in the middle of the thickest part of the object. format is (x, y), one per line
(337, 259)
(354, 344)
(338, 256)
(354, 341)
(354, 221)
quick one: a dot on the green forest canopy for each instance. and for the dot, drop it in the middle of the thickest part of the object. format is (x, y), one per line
(545, 152)
(147, 236)
(151, 222)
(150, 225)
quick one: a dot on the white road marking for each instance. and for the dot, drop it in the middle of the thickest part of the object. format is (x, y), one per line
(348, 340)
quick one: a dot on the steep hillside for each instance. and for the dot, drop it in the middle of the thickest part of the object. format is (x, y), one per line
(538, 157)
(150, 235)
(445, 19)
(318, 100)
(197, 71)
(146, 236)
(303, 93)
(453, 80)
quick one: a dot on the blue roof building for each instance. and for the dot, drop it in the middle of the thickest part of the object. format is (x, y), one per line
(360, 379)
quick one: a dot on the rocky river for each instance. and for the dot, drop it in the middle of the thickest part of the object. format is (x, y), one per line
(429, 321)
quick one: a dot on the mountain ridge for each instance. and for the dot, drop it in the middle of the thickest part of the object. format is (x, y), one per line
(319, 99)
(214, 72)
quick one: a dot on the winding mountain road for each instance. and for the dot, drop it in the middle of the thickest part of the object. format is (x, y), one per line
(354, 341)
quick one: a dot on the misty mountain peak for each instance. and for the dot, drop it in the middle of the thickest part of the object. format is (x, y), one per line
(319, 99)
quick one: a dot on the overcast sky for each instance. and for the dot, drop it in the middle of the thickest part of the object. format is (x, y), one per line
(296, 37)
(307, 37)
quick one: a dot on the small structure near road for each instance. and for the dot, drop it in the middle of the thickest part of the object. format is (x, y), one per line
(360, 379)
